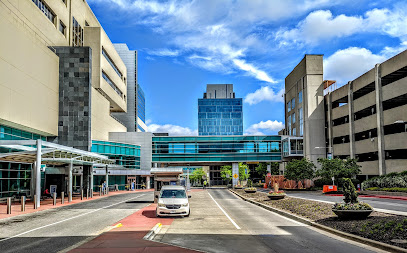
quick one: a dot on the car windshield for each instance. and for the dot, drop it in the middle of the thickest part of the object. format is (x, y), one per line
(179, 194)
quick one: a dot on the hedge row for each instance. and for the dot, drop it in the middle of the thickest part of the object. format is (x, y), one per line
(391, 180)
(395, 189)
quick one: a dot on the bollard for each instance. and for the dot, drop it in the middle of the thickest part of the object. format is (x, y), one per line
(62, 197)
(35, 202)
(22, 203)
(91, 193)
(81, 194)
(8, 205)
(54, 198)
(100, 191)
(87, 193)
(69, 196)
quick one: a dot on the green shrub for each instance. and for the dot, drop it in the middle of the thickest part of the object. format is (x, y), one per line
(322, 181)
(391, 180)
(249, 183)
(394, 189)
(349, 192)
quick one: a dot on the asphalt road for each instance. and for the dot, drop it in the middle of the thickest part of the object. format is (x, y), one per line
(377, 203)
(57, 229)
(244, 227)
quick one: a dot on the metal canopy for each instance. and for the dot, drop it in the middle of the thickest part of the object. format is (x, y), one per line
(166, 171)
(51, 153)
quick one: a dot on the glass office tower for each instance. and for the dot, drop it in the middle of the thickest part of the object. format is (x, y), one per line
(219, 112)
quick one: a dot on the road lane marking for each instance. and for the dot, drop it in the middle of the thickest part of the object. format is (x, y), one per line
(35, 229)
(233, 222)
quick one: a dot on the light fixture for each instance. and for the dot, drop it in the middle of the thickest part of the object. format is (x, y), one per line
(399, 122)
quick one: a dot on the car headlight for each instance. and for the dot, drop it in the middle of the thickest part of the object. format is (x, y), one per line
(161, 205)
(185, 204)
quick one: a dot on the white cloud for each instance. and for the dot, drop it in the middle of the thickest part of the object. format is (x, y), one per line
(347, 64)
(173, 130)
(164, 52)
(227, 32)
(265, 93)
(269, 126)
(259, 74)
(320, 26)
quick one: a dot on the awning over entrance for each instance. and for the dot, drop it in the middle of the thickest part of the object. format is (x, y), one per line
(25, 151)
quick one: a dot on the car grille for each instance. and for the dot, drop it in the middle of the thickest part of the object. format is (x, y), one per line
(173, 206)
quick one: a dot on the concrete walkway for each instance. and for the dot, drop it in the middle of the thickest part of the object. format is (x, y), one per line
(127, 235)
(48, 204)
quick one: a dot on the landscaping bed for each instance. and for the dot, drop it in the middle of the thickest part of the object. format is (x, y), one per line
(378, 226)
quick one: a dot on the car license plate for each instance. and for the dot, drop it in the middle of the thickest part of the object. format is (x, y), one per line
(172, 211)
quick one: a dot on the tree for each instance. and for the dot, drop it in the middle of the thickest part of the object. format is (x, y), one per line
(243, 172)
(338, 168)
(299, 170)
(197, 175)
(226, 173)
(261, 168)
(330, 168)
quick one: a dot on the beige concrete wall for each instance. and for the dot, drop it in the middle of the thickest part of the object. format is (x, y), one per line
(363, 80)
(340, 93)
(366, 146)
(341, 149)
(395, 89)
(395, 114)
(102, 122)
(29, 82)
(395, 63)
(395, 165)
(365, 101)
(340, 111)
(369, 168)
(340, 130)
(96, 38)
(395, 141)
(366, 123)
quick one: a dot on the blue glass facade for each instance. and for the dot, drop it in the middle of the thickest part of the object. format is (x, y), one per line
(216, 149)
(126, 155)
(9, 133)
(141, 104)
(220, 116)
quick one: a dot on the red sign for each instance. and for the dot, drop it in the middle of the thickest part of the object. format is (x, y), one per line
(268, 174)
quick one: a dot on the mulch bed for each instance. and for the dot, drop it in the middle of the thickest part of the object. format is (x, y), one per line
(382, 227)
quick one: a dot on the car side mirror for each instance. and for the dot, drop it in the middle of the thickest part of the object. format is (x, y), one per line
(156, 196)
(189, 196)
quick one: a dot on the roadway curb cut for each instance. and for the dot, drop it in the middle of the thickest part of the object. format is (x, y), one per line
(153, 232)
(380, 245)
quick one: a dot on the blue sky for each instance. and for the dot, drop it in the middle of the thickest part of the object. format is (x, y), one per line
(254, 44)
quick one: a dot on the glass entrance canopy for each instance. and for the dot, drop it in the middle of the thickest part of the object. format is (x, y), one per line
(192, 149)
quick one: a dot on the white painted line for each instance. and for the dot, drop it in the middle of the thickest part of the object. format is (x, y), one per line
(35, 229)
(233, 222)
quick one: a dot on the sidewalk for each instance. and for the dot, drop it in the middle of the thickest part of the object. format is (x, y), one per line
(127, 235)
(48, 204)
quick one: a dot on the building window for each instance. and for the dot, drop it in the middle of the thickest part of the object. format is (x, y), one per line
(301, 121)
(289, 124)
(300, 97)
(109, 60)
(289, 106)
(62, 27)
(293, 118)
(293, 103)
(77, 34)
(45, 9)
(110, 82)
(294, 131)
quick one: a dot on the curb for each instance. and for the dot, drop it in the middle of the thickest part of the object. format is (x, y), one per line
(356, 238)
(153, 232)
(384, 197)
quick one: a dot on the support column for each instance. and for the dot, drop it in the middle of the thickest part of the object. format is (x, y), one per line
(38, 174)
(329, 114)
(107, 179)
(148, 182)
(86, 176)
(70, 188)
(379, 117)
(91, 182)
(351, 121)
(235, 171)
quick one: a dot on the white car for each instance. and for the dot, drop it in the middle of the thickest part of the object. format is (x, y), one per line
(173, 201)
